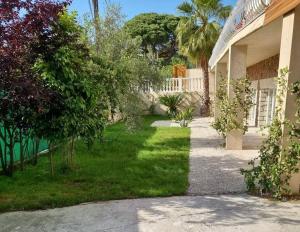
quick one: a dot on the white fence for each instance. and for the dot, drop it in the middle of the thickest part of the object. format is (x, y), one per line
(173, 85)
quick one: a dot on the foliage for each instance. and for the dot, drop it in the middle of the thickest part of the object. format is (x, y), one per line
(25, 26)
(167, 69)
(120, 68)
(198, 32)
(157, 32)
(237, 107)
(66, 71)
(150, 162)
(280, 153)
(172, 102)
(185, 117)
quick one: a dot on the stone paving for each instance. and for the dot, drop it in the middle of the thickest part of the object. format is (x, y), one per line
(165, 123)
(214, 170)
(224, 213)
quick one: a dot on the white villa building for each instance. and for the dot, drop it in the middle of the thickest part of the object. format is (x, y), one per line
(259, 38)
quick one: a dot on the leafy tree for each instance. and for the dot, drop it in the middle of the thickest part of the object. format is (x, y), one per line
(65, 67)
(120, 67)
(198, 32)
(157, 32)
(24, 28)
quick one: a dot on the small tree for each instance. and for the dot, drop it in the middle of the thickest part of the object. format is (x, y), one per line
(66, 69)
(24, 28)
(232, 109)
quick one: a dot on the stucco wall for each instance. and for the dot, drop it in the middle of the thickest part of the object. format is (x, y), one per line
(194, 73)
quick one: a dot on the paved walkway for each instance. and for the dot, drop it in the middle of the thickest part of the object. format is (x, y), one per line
(224, 213)
(214, 170)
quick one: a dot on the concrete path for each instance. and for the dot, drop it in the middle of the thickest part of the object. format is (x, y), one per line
(214, 170)
(165, 123)
(225, 213)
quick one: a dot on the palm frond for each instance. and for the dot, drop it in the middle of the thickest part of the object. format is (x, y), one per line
(198, 33)
(185, 8)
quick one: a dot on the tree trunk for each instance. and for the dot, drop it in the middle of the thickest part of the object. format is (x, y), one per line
(51, 159)
(11, 154)
(21, 151)
(36, 145)
(206, 100)
(72, 151)
(96, 23)
(3, 153)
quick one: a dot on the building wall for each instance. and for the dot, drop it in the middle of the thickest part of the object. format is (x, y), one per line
(265, 69)
(262, 75)
(194, 73)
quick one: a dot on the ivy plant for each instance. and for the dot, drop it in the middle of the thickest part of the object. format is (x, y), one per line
(279, 154)
(230, 110)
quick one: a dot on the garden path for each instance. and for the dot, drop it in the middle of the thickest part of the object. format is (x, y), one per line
(214, 170)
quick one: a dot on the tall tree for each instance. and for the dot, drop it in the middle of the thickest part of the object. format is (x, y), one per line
(120, 67)
(197, 34)
(157, 32)
(96, 22)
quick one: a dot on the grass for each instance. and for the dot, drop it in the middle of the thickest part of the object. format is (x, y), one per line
(150, 162)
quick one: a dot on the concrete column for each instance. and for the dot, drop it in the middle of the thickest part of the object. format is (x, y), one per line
(220, 72)
(257, 103)
(290, 58)
(237, 68)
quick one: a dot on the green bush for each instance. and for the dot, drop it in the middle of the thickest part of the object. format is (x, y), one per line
(185, 117)
(172, 102)
(241, 102)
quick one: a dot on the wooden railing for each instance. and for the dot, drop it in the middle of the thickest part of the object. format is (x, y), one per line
(173, 85)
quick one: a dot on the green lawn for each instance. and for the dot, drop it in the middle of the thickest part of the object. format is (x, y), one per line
(148, 163)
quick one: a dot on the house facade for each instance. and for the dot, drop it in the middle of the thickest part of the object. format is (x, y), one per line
(260, 38)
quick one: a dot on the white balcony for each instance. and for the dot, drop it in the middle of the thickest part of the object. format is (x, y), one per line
(245, 12)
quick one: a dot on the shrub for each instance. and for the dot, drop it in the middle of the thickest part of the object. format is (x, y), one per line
(172, 102)
(185, 117)
(230, 110)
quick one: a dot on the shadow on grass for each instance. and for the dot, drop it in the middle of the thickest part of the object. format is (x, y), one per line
(147, 163)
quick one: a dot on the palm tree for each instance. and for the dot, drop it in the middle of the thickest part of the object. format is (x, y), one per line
(197, 34)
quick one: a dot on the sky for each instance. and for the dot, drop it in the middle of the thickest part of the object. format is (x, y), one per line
(134, 7)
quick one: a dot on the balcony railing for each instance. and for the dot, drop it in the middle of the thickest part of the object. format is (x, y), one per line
(243, 14)
(177, 85)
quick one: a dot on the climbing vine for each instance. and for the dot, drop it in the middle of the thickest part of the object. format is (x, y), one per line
(230, 110)
(279, 155)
